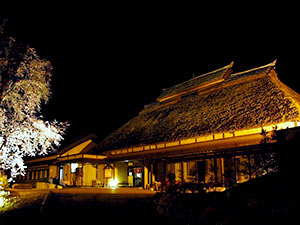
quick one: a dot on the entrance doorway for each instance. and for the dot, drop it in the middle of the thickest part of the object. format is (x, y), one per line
(201, 171)
(137, 176)
(61, 174)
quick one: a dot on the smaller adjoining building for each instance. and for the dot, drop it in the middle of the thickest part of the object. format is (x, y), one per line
(71, 166)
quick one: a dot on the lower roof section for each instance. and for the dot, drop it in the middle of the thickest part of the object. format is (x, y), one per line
(208, 147)
(206, 143)
(67, 159)
(81, 157)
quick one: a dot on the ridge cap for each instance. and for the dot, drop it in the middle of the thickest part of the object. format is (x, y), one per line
(272, 64)
(202, 75)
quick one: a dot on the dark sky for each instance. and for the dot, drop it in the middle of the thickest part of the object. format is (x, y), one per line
(109, 63)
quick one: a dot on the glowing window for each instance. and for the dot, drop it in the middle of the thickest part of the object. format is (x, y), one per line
(108, 173)
(74, 166)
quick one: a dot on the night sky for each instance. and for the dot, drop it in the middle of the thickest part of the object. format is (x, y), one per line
(109, 63)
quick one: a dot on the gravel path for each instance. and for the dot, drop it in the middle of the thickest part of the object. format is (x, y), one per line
(84, 205)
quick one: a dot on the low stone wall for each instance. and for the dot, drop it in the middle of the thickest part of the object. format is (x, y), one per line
(22, 186)
(45, 185)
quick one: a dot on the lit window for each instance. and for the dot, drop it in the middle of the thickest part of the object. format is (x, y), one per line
(74, 166)
(108, 173)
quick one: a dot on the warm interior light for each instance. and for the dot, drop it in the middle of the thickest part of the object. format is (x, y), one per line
(113, 183)
(74, 166)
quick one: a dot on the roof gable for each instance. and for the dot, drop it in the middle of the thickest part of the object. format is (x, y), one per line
(77, 142)
(77, 149)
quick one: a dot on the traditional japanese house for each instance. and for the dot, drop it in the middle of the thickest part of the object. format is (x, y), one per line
(213, 129)
(70, 166)
(207, 129)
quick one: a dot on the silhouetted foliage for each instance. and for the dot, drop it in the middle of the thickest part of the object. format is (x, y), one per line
(24, 89)
(286, 147)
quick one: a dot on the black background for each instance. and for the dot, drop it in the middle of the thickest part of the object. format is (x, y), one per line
(111, 60)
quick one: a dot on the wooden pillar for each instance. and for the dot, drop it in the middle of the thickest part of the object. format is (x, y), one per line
(182, 175)
(152, 173)
(165, 164)
(145, 177)
(96, 173)
(249, 166)
(235, 169)
(81, 175)
(149, 174)
(216, 169)
(222, 171)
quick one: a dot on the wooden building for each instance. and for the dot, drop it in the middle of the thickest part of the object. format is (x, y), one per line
(71, 166)
(210, 129)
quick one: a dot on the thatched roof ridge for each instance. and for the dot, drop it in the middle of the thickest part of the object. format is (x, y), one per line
(252, 72)
(245, 100)
(204, 79)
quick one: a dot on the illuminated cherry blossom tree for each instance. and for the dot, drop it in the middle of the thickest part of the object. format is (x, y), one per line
(24, 88)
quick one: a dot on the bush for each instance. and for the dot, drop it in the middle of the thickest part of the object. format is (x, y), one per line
(3, 181)
(178, 203)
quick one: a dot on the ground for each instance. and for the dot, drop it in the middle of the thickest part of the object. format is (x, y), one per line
(271, 199)
(83, 205)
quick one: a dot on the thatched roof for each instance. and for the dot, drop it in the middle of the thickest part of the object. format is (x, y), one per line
(244, 100)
